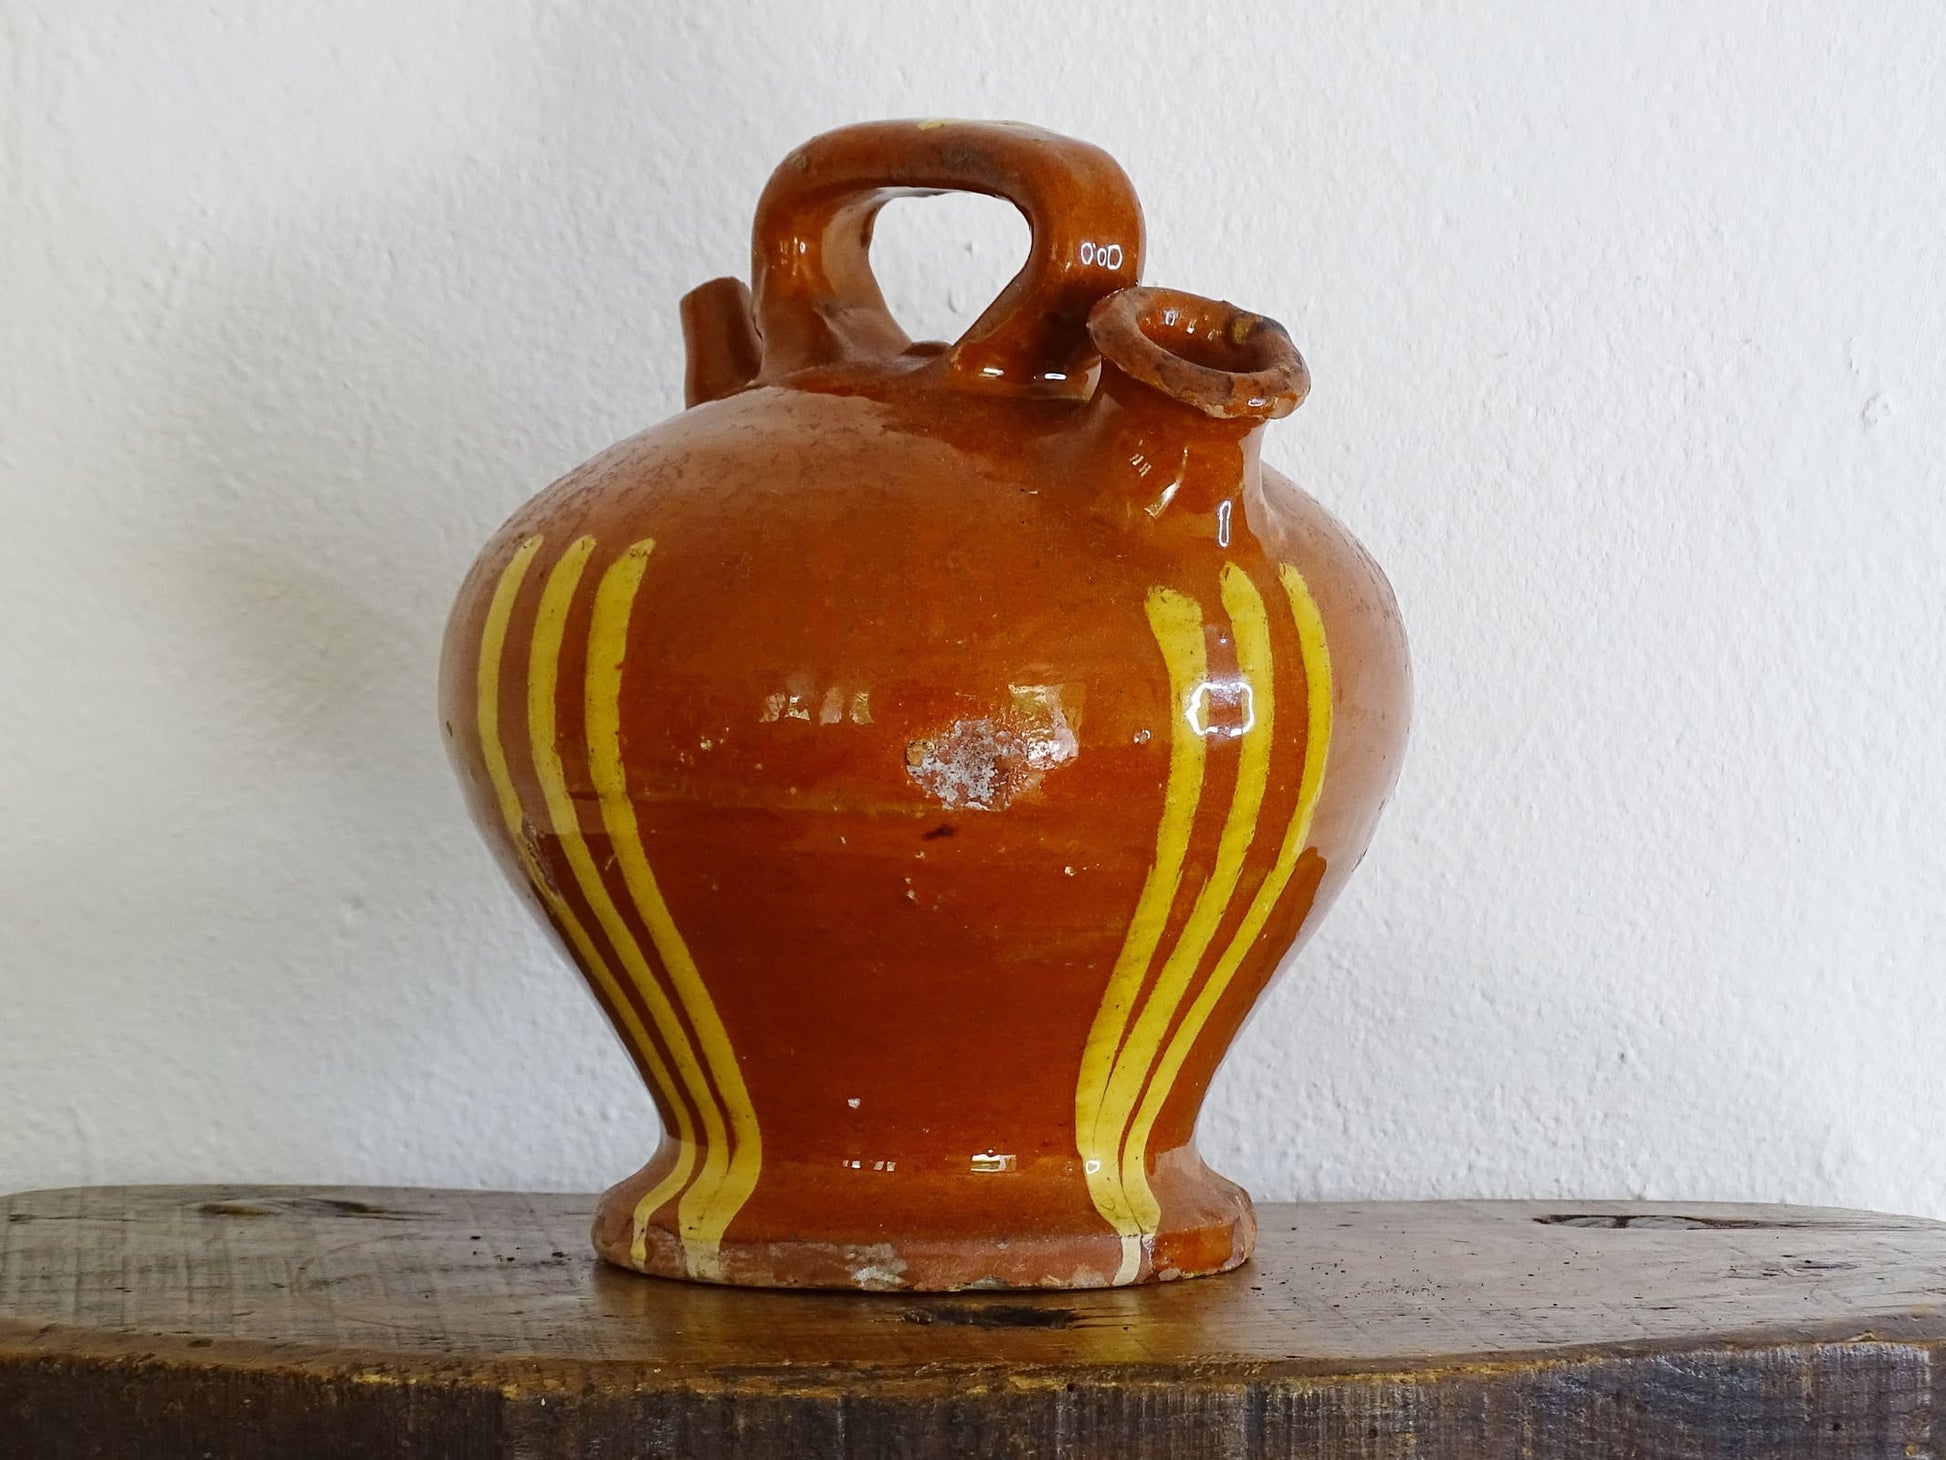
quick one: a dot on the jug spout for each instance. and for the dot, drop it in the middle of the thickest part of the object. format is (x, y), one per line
(1187, 384)
(719, 340)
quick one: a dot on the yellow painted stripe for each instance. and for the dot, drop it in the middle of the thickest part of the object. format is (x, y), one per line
(714, 1201)
(1251, 625)
(1177, 623)
(493, 640)
(543, 676)
(1317, 748)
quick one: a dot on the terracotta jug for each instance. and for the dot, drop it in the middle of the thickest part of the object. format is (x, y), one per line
(928, 753)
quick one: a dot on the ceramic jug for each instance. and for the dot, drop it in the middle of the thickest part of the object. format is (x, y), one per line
(928, 753)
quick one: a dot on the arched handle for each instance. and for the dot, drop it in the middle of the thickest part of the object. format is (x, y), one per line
(817, 302)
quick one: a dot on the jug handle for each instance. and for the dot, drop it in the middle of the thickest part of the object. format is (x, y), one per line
(816, 300)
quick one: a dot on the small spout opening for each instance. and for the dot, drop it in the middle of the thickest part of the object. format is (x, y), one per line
(1210, 355)
(724, 354)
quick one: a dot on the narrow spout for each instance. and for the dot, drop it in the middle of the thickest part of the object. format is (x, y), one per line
(1187, 385)
(720, 340)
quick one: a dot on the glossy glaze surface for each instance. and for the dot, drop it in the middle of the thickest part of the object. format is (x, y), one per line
(928, 753)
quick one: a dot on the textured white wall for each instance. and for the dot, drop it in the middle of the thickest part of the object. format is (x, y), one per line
(1627, 322)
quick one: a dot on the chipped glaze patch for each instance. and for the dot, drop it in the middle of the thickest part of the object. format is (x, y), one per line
(985, 762)
(877, 1267)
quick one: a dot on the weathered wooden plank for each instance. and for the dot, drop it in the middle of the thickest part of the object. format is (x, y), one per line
(161, 1322)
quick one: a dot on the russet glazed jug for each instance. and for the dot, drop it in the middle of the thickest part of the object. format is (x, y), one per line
(928, 753)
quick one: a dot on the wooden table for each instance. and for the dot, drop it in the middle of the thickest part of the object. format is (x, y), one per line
(161, 1323)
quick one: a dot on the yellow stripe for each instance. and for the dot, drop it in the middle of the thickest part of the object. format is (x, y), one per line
(493, 640)
(714, 1201)
(1317, 748)
(1245, 607)
(543, 677)
(1177, 623)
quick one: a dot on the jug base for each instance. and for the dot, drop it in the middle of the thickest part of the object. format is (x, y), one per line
(1217, 1232)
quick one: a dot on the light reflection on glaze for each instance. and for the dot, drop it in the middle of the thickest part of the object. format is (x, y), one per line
(800, 700)
(1202, 703)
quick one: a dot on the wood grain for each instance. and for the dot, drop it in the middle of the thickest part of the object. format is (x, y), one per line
(176, 1322)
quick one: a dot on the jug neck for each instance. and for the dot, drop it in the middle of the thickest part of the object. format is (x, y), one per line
(1156, 456)
(1187, 385)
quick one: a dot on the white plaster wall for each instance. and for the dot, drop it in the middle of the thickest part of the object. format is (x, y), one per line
(1627, 322)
